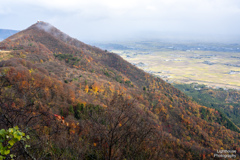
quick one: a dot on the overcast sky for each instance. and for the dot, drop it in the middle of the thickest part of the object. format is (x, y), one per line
(103, 20)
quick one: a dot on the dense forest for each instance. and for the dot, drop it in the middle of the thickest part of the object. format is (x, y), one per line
(76, 101)
(225, 101)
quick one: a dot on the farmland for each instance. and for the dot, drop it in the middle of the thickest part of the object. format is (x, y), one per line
(215, 65)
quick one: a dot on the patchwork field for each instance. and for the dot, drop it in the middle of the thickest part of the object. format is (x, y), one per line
(211, 68)
(215, 66)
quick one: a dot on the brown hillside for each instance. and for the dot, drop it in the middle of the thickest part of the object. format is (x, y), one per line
(109, 108)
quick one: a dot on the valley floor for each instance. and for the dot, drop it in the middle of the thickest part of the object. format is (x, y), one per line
(215, 66)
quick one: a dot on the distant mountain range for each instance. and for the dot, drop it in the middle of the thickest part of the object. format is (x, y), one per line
(4, 33)
(77, 101)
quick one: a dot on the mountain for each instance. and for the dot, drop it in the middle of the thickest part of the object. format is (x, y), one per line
(77, 101)
(4, 33)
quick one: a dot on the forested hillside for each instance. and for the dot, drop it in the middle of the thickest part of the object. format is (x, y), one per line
(76, 101)
(225, 101)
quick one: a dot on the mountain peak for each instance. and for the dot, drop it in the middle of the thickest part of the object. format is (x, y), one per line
(43, 26)
(47, 27)
(42, 31)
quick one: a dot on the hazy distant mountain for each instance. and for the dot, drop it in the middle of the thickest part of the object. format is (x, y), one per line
(4, 33)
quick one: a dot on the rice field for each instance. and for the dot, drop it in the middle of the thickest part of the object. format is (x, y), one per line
(215, 69)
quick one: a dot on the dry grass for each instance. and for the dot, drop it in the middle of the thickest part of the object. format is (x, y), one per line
(4, 55)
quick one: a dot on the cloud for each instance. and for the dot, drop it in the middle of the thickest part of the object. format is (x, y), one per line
(113, 18)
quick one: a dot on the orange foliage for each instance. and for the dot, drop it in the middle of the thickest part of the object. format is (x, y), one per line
(86, 88)
(95, 87)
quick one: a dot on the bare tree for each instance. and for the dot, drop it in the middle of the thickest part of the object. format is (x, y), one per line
(122, 130)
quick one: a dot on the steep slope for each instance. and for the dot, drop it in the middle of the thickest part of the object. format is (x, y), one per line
(104, 98)
(226, 101)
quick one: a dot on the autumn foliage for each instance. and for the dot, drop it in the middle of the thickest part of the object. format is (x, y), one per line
(76, 101)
